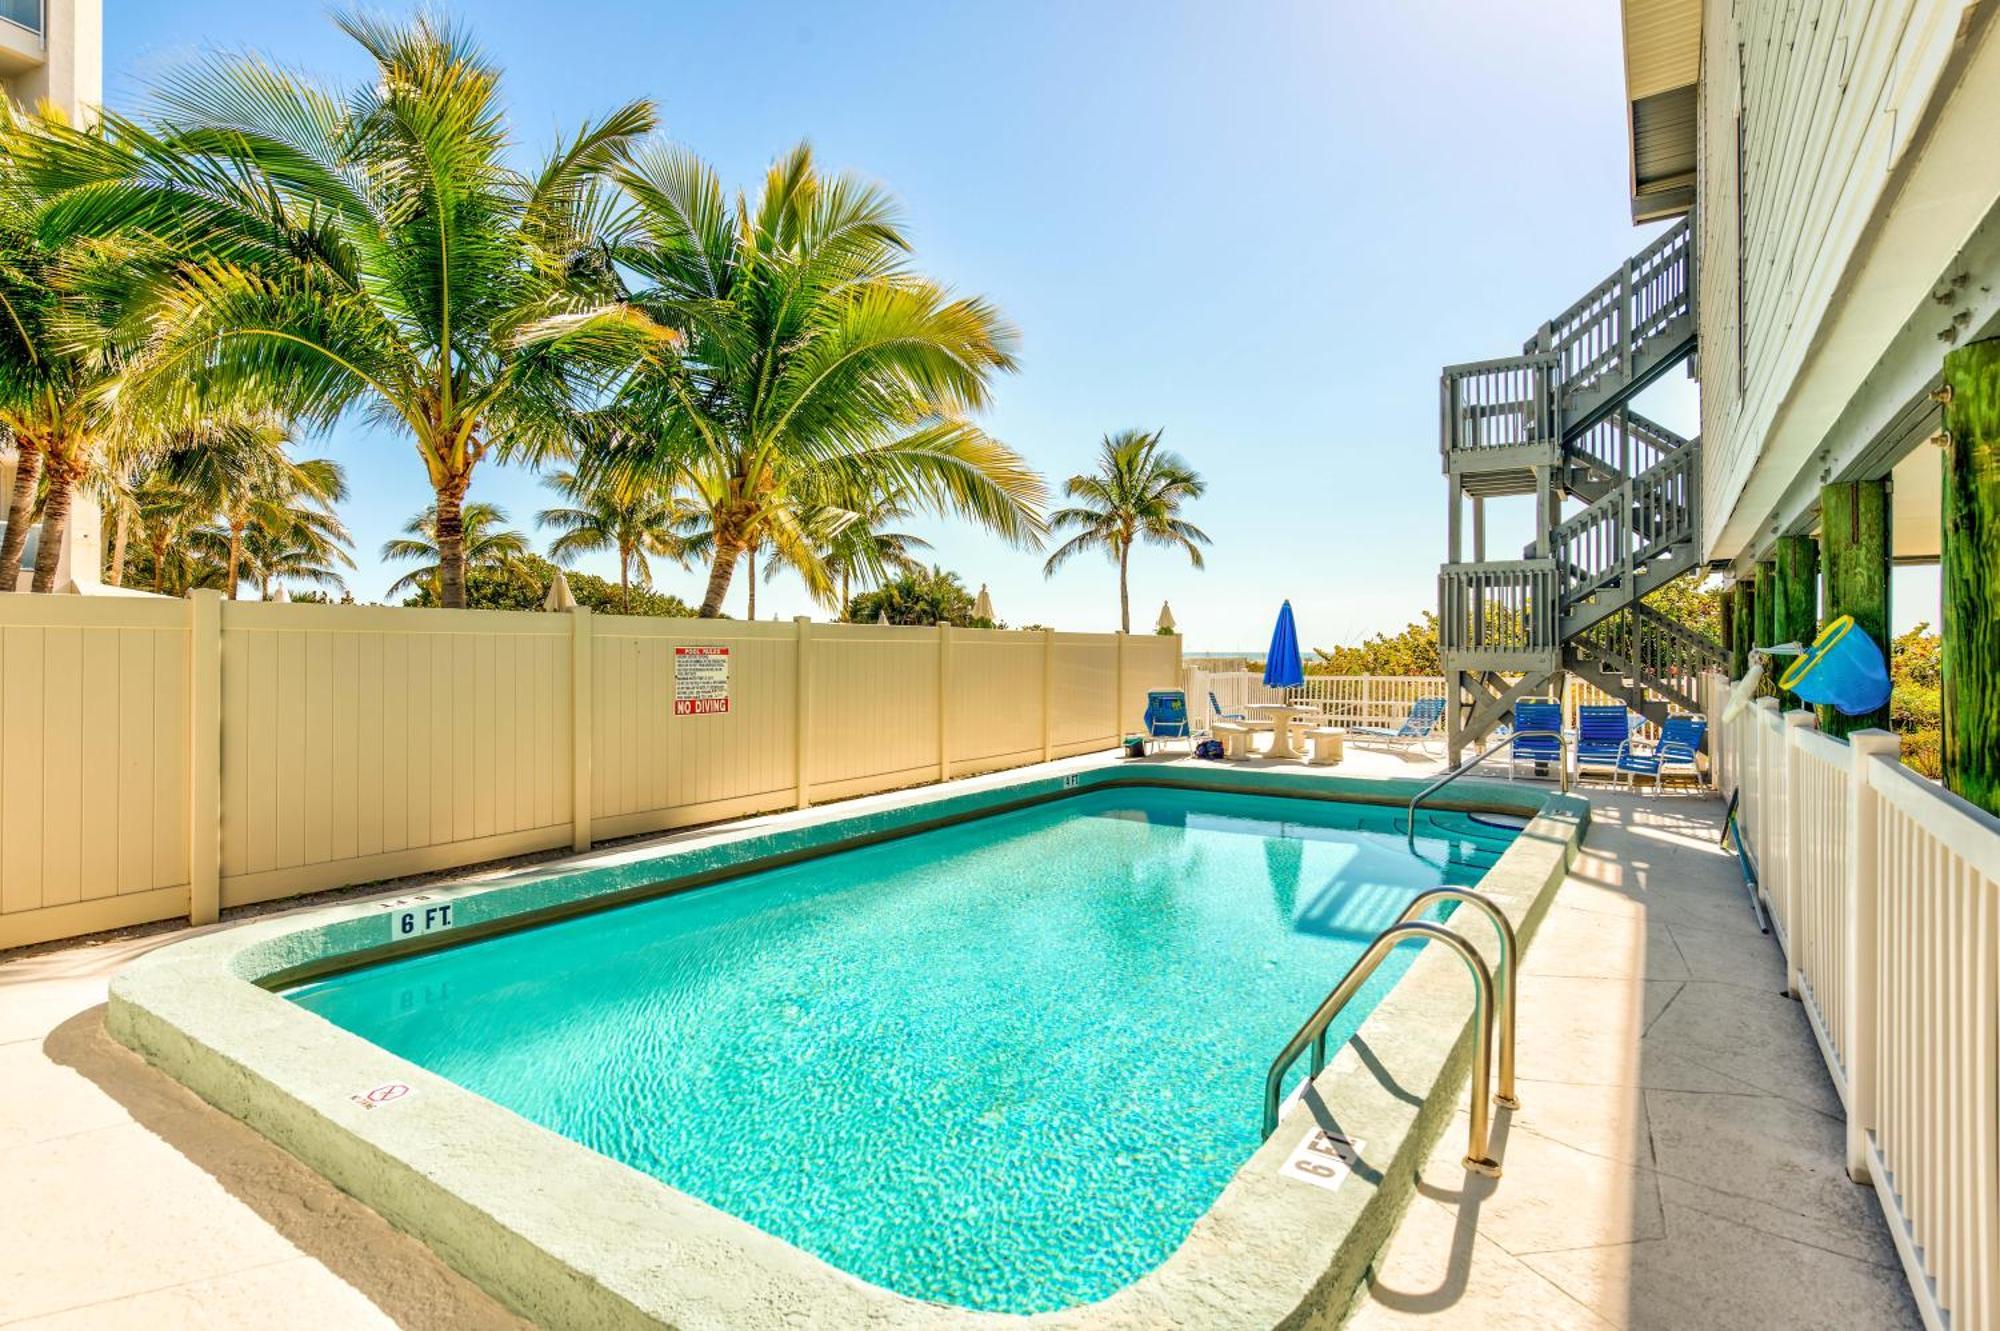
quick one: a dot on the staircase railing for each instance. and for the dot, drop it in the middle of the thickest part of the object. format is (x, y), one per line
(1607, 542)
(1625, 444)
(1602, 333)
(1654, 650)
(1504, 605)
(1499, 403)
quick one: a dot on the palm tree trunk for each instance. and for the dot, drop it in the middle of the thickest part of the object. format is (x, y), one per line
(27, 469)
(231, 571)
(624, 585)
(843, 595)
(750, 572)
(118, 544)
(1124, 597)
(719, 571)
(159, 545)
(451, 543)
(55, 521)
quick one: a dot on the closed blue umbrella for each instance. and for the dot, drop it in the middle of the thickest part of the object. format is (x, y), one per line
(1282, 667)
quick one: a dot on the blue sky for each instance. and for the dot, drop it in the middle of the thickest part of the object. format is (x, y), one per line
(1261, 228)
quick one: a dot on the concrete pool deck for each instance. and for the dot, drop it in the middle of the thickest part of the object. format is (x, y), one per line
(1675, 1162)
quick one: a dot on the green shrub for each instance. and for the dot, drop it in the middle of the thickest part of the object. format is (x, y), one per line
(1923, 752)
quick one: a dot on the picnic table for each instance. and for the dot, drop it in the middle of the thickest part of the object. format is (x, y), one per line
(1281, 716)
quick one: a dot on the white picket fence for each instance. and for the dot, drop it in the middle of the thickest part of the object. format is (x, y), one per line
(1363, 700)
(1884, 891)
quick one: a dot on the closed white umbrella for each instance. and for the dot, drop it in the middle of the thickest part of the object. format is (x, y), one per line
(1166, 617)
(882, 618)
(281, 594)
(983, 607)
(559, 597)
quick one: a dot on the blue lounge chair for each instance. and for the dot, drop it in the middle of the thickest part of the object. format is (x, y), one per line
(1216, 712)
(1167, 717)
(1601, 735)
(1542, 714)
(1417, 727)
(1673, 754)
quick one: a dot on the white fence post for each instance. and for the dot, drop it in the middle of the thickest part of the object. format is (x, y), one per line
(205, 756)
(1863, 958)
(582, 782)
(802, 709)
(1118, 693)
(1048, 693)
(1791, 812)
(944, 701)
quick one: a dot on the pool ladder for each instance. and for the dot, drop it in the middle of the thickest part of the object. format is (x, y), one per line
(1562, 771)
(1407, 928)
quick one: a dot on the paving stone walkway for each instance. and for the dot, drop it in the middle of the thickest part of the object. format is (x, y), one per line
(1677, 1158)
(1676, 1162)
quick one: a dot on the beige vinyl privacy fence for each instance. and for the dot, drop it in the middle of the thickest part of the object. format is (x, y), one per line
(1883, 890)
(169, 758)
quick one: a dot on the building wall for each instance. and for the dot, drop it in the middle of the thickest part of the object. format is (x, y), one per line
(68, 69)
(161, 753)
(1827, 96)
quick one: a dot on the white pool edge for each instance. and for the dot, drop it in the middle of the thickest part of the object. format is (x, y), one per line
(568, 1237)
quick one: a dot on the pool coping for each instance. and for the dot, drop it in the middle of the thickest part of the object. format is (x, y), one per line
(566, 1236)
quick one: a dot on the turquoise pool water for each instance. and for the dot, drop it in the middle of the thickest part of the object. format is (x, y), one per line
(1005, 1064)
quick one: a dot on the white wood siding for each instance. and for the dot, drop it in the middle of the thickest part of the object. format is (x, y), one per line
(1831, 93)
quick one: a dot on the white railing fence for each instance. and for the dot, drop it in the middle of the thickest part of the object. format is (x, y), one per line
(1362, 700)
(1230, 689)
(1366, 700)
(1884, 892)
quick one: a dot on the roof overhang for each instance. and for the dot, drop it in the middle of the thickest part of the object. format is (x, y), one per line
(1662, 72)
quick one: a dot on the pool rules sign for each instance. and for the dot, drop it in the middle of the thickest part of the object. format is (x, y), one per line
(701, 681)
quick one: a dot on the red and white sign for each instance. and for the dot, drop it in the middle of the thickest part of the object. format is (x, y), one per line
(386, 1094)
(701, 681)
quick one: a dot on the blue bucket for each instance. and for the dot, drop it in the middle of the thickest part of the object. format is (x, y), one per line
(1843, 670)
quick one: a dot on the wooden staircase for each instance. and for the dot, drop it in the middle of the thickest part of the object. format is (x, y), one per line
(1556, 422)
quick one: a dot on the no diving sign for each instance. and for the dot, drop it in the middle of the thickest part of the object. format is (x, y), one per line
(701, 681)
(388, 1093)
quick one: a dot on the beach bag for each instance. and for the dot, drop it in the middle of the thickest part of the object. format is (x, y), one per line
(1210, 749)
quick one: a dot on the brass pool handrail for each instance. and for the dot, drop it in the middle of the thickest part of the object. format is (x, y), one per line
(1562, 771)
(1476, 1158)
(1504, 980)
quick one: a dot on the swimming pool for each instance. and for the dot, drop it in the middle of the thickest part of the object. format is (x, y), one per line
(1005, 1063)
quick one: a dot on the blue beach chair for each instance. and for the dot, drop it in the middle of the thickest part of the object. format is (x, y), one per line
(1535, 750)
(1601, 736)
(1167, 717)
(1216, 712)
(1673, 755)
(1417, 727)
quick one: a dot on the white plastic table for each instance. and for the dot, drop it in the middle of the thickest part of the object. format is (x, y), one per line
(1281, 715)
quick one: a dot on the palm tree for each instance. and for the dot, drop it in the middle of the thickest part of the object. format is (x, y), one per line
(308, 551)
(59, 356)
(921, 596)
(368, 246)
(163, 512)
(238, 471)
(487, 543)
(857, 546)
(1135, 494)
(623, 514)
(812, 360)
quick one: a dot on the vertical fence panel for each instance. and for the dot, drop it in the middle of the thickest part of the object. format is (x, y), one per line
(267, 750)
(995, 704)
(1086, 675)
(93, 829)
(363, 742)
(873, 709)
(1885, 897)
